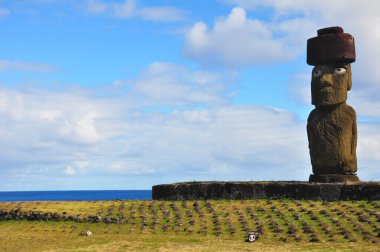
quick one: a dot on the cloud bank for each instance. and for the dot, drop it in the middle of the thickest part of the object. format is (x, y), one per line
(131, 9)
(173, 123)
(73, 138)
(236, 40)
(79, 135)
(9, 65)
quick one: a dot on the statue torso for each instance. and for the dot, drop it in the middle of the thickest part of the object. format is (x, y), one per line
(332, 139)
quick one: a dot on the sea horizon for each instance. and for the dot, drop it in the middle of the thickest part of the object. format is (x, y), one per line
(75, 195)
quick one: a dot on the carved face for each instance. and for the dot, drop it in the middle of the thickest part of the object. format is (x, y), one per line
(330, 83)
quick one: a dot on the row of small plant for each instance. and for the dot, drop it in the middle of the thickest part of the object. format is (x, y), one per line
(284, 220)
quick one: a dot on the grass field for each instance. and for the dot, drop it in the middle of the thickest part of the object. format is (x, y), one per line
(288, 225)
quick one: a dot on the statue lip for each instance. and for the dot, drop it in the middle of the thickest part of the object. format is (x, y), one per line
(326, 89)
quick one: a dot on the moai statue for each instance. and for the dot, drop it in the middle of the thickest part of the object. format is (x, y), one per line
(331, 126)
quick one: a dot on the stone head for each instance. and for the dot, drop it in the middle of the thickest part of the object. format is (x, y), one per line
(331, 53)
(330, 83)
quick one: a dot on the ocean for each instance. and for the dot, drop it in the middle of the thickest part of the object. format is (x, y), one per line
(89, 195)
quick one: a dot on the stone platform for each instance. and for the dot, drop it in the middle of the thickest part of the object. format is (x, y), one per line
(267, 190)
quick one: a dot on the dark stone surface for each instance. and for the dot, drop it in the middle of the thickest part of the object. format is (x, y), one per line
(331, 126)
(333, 178)
(266, 190)
(331, 45)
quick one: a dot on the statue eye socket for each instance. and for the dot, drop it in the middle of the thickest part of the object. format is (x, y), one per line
(340, 70)
(317, 73)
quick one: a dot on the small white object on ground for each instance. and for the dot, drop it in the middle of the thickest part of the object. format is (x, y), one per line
(86, 233)
(252, 236)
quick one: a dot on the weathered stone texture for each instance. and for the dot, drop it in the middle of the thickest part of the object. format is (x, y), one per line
(331, 45)
(332, 138)
(333, 178)
(267, 190)
(329, 84)
(331, 126)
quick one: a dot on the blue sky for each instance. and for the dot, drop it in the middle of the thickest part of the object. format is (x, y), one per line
(125, 94)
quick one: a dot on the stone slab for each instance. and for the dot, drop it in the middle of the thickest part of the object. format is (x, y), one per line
(236, 190)
(333, 178)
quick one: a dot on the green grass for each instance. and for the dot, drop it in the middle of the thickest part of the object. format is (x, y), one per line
(288, 225)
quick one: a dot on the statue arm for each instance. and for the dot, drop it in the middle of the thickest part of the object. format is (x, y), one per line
(308, 127)
(354, 137)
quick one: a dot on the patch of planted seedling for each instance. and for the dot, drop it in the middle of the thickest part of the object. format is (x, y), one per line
(143, 217)
(284, 220)
(231, 230)
(188, 218)
(178, 221)
(203, 229)
(154, 215)
(165, 215)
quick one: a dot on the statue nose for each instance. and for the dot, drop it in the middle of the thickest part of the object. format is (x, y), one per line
(327, 79)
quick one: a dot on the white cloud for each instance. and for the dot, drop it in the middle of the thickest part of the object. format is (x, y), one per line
(223, 142)
(172, 85)
(131, 9)
(300, 88)
(367, 104)
(292, 15)
(368, 151)
(114, 139)
(82, 164)
(296, 21)
(9, 65)
(105, 137)
(129, 167)
(4, 12)
(96, 7)
(69, 171)
(161, 13)
(235, 41)
(124, 10)
(82, 128)
(45, 1)
(238, 40)
(63, 116)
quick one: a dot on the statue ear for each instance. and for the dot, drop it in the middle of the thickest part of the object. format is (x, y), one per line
(349, 84)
